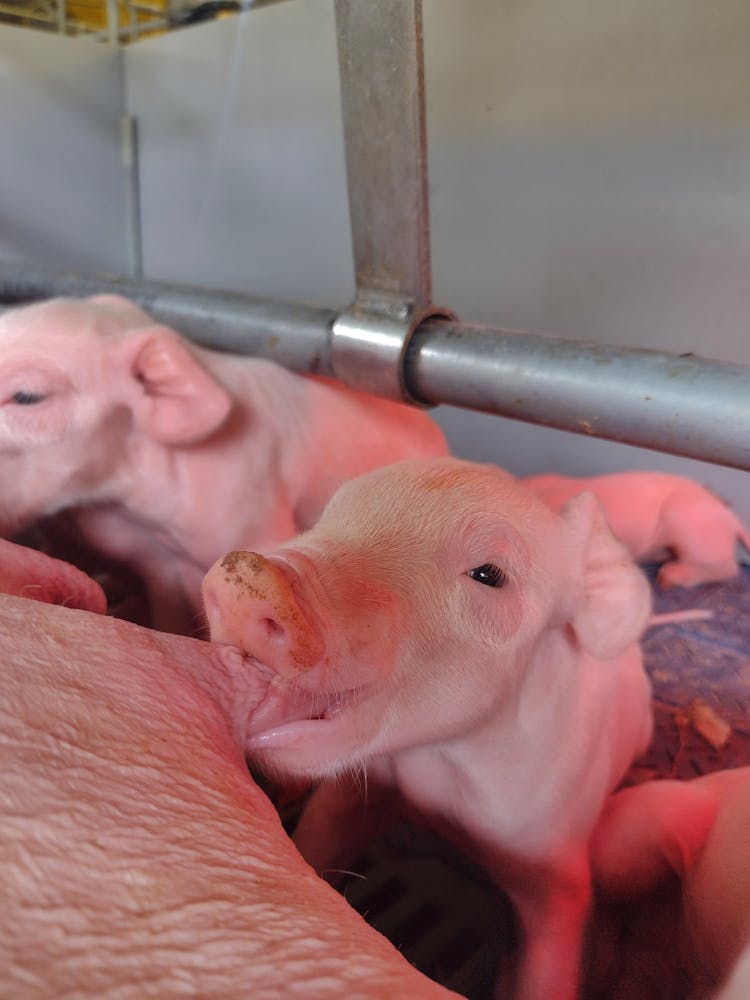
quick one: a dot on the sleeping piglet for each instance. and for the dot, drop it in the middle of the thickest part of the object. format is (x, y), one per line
(698, 831)
(660, 516)
(172, 454)
(443, 632)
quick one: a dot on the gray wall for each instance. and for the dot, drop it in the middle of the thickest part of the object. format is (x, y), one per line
(590, 177)
(241, 159)
(589, 173)
(61, 183)
(591, 162)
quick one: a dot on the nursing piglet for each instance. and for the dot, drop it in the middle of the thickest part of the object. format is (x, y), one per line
(444, 632)
(698, 831)
(660, 516)
(169, 453)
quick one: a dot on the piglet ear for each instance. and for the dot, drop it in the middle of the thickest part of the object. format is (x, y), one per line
(613, 603)
(178, 401)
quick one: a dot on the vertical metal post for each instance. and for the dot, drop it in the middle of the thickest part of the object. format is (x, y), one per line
(61, 12)
(113, 22)
(129, 158)
(381, 67)
(382, 93)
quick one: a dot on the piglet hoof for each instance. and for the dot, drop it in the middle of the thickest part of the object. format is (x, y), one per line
(683, 574)
(677, 574)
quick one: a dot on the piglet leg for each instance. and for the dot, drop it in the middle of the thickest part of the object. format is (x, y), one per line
(552, 905)
(342, 817)
(704, 537)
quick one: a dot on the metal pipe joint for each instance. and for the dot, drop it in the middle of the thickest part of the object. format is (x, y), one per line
(369, 342)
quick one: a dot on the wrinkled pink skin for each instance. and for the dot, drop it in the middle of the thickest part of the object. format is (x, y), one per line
(172, 454)
(698, 831)
(660, 516)
(139, 860)
(27, 573)
(504, 715)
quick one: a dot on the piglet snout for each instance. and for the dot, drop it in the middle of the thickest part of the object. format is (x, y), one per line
(250, 603)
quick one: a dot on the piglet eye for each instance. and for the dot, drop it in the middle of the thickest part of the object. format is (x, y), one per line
(27, 398)
(489, 574)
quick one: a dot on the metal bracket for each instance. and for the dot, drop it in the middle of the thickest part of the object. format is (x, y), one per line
(381, 67)
(369, 342)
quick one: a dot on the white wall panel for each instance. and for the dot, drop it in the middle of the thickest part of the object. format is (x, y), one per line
(590, 177)
(590, 162)
(243, 182)
(61, 182)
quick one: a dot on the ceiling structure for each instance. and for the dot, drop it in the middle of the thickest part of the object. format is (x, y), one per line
(116, 21)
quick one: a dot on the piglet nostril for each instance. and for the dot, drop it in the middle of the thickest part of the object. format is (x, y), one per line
(273, 630)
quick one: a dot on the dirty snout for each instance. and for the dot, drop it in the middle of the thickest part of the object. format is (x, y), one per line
(249, 602)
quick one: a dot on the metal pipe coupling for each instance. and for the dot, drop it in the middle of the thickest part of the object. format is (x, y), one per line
(369, 341)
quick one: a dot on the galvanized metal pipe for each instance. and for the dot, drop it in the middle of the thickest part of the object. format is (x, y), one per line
(684, 405)
(681, 404)
(381, 67)
(129, 160)
(113, 22)
(293, 334)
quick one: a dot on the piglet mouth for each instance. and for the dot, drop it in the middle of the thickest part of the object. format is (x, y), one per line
(290, 714)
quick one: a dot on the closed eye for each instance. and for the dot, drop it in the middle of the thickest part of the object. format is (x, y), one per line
(489, 574)
(23, 398)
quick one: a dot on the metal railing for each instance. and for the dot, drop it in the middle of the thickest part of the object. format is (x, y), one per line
(392, 340)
